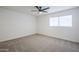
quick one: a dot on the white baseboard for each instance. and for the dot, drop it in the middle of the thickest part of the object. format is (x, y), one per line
(58, 38)
(16, 37)
(33, 34)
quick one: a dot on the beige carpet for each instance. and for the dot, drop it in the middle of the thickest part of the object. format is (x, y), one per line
(39, 43)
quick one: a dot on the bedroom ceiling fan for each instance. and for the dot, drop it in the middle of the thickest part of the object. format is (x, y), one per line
(41, 9)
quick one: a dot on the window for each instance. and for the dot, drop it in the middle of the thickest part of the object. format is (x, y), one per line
(65, 21)
(53, 21)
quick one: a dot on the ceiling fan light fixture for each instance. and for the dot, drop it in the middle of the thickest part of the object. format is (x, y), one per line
(40, 12)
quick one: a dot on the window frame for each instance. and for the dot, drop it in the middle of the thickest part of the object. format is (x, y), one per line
(59, 23)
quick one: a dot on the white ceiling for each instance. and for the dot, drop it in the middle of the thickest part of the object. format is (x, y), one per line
(29, 9)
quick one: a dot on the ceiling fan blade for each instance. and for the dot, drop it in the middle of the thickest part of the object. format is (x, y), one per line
(40, 7)
(45, 8)
(37, 7)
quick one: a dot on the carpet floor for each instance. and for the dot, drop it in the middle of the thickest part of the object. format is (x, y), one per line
(38, 43)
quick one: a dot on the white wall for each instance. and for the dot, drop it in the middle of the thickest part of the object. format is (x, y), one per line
(66, 33)
(14, 24)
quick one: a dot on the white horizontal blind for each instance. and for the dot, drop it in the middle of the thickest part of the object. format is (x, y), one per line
(65, 21)
(53, 21)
